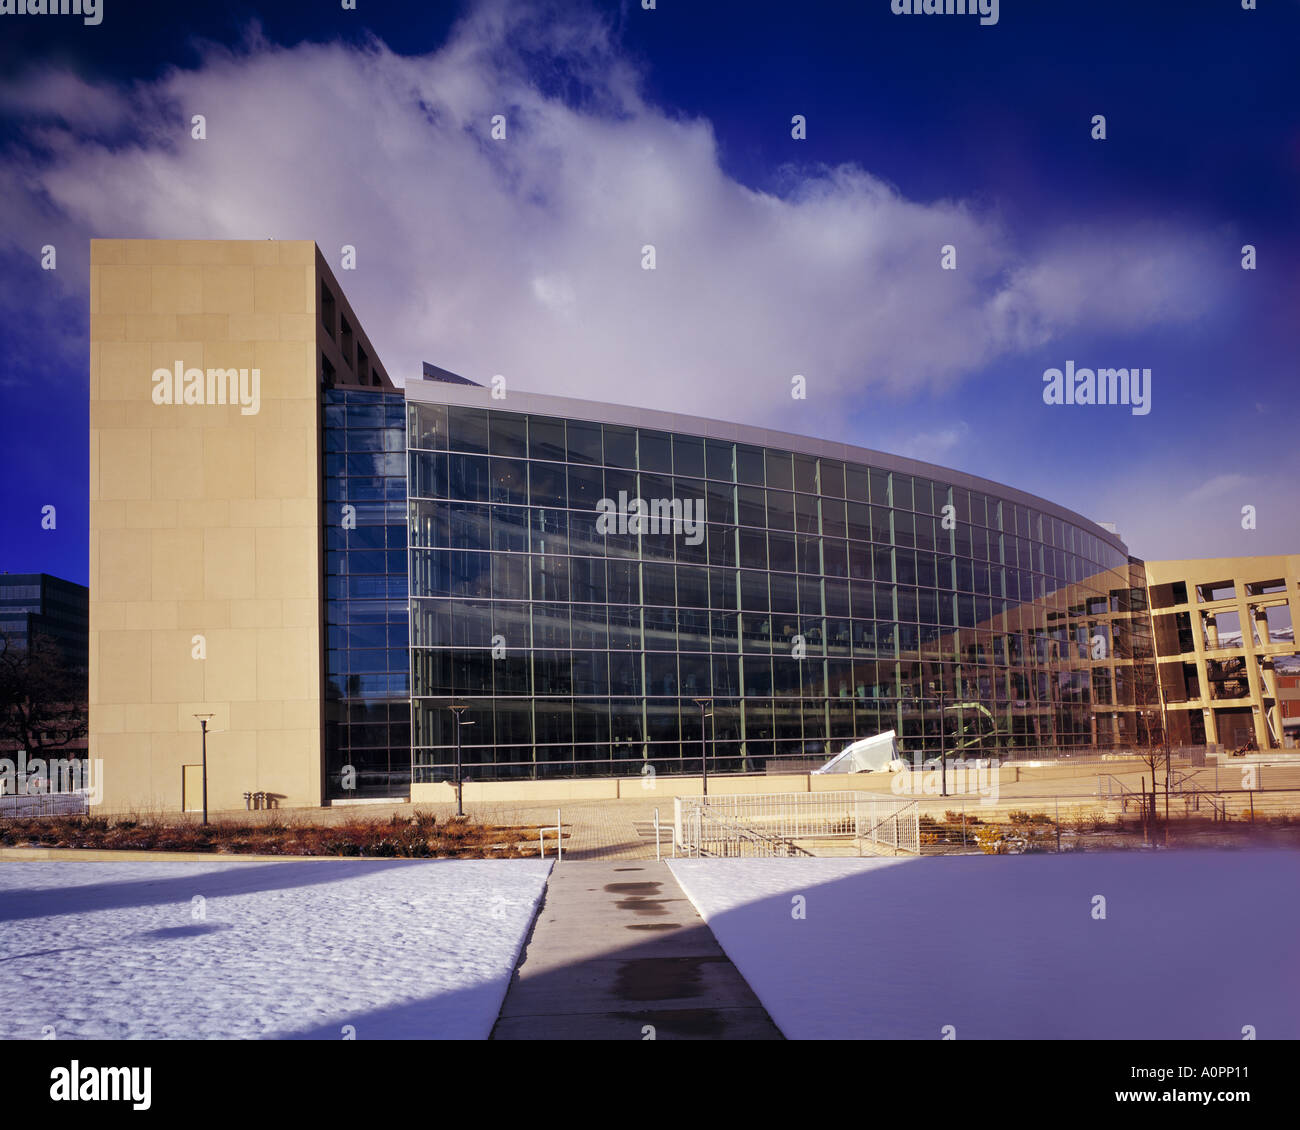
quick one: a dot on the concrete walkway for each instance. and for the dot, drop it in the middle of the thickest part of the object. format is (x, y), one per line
(618, 953)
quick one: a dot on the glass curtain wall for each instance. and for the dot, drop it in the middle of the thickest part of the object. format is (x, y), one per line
(367, 733)
(818, 603)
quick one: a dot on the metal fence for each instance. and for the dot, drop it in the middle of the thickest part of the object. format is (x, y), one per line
(1113, 818)
(45, 804)
(703, 832)
(888, 822)
(789, 824)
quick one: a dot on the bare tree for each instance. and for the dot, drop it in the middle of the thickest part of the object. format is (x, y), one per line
(42, 696)
(1149, 731)
(1134, 649)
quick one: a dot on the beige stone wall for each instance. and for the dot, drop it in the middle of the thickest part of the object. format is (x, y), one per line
(1263, 700)
(635, 788)
(204, 520)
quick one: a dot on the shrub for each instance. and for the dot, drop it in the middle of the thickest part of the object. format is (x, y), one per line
(955, 818)
(416, 837)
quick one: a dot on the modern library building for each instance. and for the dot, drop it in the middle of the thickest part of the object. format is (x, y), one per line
(821, 594)
(595, 588)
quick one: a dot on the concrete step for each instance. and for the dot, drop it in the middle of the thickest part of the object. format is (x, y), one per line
(829, 847)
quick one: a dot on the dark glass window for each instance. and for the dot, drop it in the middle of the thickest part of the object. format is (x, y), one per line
(780, 472)
(688, 456)
(546, 439)
(901, 491)
(655, 452)
(467, 430)
(508, 481)
(859, 521)
(718, 460)
(584, 441)
(782, 553)
(620, 446)
(780, 510)
(547, 485)
(805, 474)
(508, 434)
(751, 508)
(749, 464)
(831, 478)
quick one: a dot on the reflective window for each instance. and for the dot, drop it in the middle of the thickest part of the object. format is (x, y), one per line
(367, 730)
(812, 601)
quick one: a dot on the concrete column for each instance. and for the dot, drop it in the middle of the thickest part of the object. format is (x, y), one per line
(1255, 686)
(1261, 625)
(1269, 714)
(1211, 630)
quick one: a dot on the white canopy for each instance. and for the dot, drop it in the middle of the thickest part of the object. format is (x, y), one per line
(865, 756)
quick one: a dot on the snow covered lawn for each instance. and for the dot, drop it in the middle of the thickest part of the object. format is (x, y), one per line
(396, 950)
(1193, 945)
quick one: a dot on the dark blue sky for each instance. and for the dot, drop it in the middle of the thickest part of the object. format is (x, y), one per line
(1201, 99)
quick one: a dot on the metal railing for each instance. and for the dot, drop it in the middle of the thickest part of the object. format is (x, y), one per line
(558, 829)
(778, 824)
(1192, 798)
(886, 822)
(45, 804)
(1185, 782)
(1110, 787)
(706, 834)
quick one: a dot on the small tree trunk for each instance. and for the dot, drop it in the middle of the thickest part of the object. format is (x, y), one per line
(1146, 825)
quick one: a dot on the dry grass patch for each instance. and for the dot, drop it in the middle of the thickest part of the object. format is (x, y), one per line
(419, 836)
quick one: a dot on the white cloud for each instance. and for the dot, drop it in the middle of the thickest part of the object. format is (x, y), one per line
(523, 256)
(934, 445)
(1217, 487)
(1120, 280)
(1162, 515)
(555, 293)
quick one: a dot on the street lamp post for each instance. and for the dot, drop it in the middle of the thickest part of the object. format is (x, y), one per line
(457, 710)
(943, 748)
(203, 723)
(704, 759)
(1164, 725)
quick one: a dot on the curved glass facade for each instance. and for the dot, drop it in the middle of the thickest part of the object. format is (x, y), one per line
(818, 601)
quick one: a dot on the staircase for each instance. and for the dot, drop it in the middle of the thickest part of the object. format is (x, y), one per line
(729, 839)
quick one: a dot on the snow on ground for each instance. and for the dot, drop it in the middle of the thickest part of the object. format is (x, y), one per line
(1194, 945)
(397, 950)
